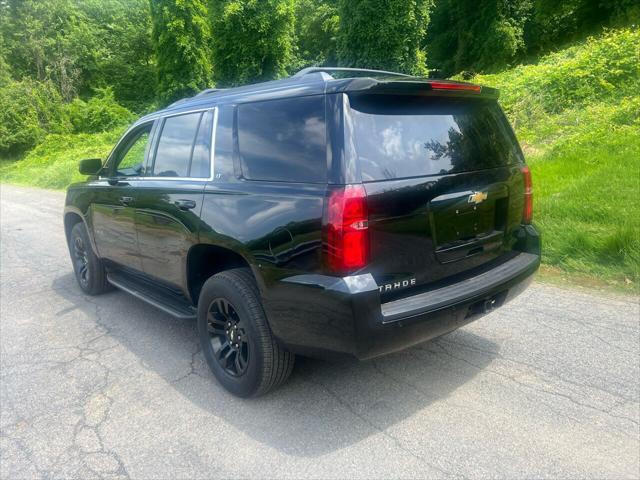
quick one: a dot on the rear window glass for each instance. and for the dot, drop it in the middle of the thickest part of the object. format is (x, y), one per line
(223, 157)
(399, 137)
(201, 157)
(173, 154)
(283, 140)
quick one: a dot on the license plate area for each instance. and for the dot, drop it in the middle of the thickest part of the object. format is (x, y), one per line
(468, 223)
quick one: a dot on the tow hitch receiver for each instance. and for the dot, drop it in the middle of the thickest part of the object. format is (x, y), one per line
(486, 305)
(489, 305)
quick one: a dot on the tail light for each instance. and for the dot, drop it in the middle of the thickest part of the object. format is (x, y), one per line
(455, 86)
(527, 213)
(346, 229)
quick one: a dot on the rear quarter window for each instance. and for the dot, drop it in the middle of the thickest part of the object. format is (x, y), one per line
(283, 140)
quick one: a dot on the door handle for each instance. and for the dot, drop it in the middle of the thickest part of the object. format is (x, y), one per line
(185, 204)
(126, 200)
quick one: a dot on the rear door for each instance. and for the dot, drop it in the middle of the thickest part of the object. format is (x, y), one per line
(169, 200)
(444, 185)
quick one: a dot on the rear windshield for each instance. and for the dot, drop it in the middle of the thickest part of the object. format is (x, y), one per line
(403, 136)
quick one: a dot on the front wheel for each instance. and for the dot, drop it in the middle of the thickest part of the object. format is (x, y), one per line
(235, 336)
(88, 268)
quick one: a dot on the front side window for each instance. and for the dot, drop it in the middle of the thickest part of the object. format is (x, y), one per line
(176, 146)
(283, 140)
(131, 156)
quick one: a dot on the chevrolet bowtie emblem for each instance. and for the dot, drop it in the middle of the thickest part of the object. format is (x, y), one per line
(477, 197)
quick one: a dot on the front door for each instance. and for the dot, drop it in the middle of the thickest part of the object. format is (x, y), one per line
(169, 200)
(112, 212)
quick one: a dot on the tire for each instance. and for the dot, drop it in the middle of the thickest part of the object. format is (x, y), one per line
(235, 336)
(88, 268)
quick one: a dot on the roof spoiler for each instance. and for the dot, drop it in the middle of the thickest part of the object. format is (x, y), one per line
(308, 70)
(412, 86)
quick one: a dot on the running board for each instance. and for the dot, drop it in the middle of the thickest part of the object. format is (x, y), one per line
(159, 297)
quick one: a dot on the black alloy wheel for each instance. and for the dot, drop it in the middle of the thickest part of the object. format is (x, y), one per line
(88, 268)
(236, 340)
(80, 259)
(229, 337)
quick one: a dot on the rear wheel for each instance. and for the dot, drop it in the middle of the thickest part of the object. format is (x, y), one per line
(235, 336)
(88, 268)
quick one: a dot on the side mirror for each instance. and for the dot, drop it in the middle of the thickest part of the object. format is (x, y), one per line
(90, 166)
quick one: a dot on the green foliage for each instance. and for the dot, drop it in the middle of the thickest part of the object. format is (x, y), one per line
(488, 35)
(28, 111)
(5, 68)
(602, 68)
(100, 113)
(383, 34)
(124, 59)
(553, 23)
(182, 38)
(54, 163)
(253, 40)
(80, 45)
(577, 115)
(316, 25)
(476, 35)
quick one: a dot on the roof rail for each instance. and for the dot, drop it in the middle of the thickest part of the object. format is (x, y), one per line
(178, 102)
(207, 91)
(308, 70)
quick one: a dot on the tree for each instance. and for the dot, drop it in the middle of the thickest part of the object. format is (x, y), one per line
(38, 42)
(383, 34)
(125, 59)
(181, 38)
(81, 45)
(476, 35)
(317, 23)
(252, 40)
(553, 23)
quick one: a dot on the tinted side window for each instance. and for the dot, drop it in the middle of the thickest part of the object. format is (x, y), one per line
(201, 158)
(223, 155)
(283, 140)
(173, 153)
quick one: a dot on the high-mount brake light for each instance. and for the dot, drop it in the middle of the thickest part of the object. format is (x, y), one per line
(527, 212)
(346, 229)
(455, 86)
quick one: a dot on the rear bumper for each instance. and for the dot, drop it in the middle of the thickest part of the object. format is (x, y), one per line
(320, 315)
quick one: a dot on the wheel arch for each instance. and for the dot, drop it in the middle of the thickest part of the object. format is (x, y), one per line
(205, 260)
(71, 217)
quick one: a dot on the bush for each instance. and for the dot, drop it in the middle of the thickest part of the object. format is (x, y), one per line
(28, 111)
(54, 163)
(99, 114)
(604, 68)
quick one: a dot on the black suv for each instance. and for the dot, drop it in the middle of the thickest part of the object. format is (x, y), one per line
(312, 215)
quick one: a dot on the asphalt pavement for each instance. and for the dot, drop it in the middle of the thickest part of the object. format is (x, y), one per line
(110, 387)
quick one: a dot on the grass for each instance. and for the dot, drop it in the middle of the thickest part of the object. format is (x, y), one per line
(577, 115)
